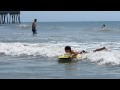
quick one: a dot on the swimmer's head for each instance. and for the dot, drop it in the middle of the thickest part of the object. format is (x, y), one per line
(67, 49)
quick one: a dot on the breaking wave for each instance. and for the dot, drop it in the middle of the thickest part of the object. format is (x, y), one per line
(52, 49)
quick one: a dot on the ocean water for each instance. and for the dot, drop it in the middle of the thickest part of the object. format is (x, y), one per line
(24, 56)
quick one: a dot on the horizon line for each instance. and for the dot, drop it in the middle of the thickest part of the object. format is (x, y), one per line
(73, 21)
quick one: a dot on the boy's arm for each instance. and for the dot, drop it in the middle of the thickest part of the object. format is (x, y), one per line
(33, 26)
(74, 54)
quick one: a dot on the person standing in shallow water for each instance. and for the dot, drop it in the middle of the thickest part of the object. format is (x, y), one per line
(34, 27)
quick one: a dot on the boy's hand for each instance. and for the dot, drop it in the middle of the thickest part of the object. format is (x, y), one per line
(71, 56)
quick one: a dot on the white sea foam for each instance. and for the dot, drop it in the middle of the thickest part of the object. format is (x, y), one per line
(106, 29)
(52, 49)
(105, 57)
(24, 26)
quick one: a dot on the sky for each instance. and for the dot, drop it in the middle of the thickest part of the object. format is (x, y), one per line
(61, 16)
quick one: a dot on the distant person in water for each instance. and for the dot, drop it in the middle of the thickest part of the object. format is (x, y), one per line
(73, 54)
(34, 27)
(103, 26)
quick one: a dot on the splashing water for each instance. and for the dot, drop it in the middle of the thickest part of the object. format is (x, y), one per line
(56, 49)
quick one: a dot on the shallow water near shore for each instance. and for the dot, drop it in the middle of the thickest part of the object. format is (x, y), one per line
(24, 56)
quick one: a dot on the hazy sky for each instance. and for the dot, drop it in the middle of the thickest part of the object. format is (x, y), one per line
(49, 16)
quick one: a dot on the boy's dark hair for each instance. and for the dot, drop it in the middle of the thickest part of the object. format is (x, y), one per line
(67, 48)
(35, 20)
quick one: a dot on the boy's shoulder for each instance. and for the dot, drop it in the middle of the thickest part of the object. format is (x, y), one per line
(73, 51)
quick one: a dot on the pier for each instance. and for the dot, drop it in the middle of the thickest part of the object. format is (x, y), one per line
(9, 17)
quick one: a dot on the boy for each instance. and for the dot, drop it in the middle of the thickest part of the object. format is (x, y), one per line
(34, 27)
(73, 54)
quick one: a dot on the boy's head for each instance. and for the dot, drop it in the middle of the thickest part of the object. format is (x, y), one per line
(35, 20)
(67, 49)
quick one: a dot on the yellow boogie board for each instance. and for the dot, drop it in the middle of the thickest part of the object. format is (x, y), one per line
(66, 58)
